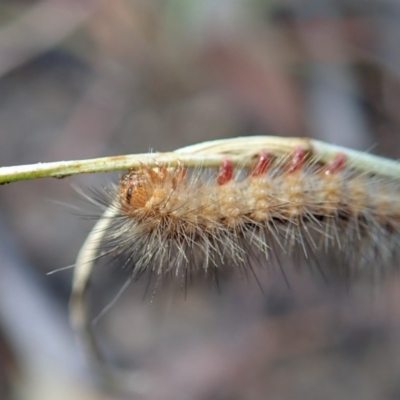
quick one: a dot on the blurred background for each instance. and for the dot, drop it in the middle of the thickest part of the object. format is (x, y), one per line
(90, 78)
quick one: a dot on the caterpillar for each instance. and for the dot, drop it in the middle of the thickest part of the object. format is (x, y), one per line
(180, 223)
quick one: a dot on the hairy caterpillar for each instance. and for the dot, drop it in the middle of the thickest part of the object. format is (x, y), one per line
(182, 223)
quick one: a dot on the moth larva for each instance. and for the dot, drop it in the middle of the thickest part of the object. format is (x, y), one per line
(180, 223)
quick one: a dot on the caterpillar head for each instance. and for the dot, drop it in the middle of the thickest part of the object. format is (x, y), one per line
(148, 188)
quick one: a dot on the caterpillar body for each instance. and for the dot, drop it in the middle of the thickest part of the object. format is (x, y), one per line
(181, 223)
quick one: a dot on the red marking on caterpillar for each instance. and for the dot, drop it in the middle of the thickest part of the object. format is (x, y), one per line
(180, 223)
(263, 162)
(336, 165)
(225, 172)
(298, 159)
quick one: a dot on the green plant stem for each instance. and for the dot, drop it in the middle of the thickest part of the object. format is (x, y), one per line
(241, 151)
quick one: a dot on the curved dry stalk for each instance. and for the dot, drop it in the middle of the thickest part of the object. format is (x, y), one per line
(241, 151)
